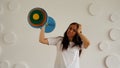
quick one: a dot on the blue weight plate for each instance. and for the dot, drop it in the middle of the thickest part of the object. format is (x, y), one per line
(50, 25)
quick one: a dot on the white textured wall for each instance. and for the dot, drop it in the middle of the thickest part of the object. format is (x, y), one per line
(19, 46)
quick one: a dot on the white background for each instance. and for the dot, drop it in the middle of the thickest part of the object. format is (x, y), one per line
(19, 42)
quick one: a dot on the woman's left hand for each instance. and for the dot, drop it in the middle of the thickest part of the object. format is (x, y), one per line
(79, 29)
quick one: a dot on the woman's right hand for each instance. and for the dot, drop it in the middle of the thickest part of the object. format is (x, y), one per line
(42, 38)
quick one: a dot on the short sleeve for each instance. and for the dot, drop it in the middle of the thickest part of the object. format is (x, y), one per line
(82, 48)
(54, 40)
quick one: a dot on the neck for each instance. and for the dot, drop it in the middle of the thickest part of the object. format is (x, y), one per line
(70, 39)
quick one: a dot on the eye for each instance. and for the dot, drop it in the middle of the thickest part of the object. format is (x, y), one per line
(74, 30)
(70, 28)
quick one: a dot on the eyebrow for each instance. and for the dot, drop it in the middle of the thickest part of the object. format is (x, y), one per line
(73, 29)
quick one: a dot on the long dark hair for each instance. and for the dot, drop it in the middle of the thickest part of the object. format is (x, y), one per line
(76, 39)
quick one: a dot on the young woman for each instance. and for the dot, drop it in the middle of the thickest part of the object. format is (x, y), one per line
(68, 47)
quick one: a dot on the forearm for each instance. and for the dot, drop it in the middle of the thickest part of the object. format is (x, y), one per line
(42, 38)
(85, 40)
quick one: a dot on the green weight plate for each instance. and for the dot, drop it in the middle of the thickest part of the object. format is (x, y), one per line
(37, 17)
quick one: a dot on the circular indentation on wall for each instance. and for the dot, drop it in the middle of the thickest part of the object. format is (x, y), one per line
(20, 65)
(91, 9)
(4, 64)
(1, 9)
(94, 9)
(13, 5)
(1, 28)
(114, 17)
(9, 38)
(0, 50)
(115, 34)
(112, 61)
(104, 45)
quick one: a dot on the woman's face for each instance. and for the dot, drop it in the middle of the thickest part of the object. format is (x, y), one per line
(71, 31)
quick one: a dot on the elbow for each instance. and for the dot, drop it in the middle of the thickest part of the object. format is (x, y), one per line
(41, 41)
(86, 45)
(44, 41)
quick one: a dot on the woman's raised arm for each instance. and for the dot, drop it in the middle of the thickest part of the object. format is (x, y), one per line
(42, 38)
(84, 39)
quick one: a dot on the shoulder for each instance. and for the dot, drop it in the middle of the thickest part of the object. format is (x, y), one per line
(60, 37)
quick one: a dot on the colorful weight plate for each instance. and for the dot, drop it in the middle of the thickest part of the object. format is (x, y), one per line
(50, 25)
(37, 17)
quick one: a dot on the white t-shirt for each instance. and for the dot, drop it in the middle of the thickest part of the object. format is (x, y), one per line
(65, 59)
